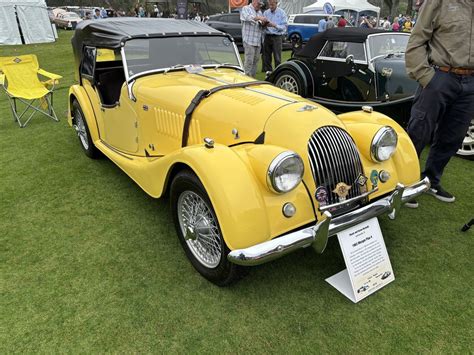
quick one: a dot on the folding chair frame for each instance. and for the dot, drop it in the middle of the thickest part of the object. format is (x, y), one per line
(29, 105)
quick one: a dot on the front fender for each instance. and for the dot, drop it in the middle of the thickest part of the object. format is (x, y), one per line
(403, 166)
(247, 211)
(78, 93)
(299, 68)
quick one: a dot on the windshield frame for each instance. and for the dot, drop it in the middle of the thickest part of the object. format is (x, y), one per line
(130, 79)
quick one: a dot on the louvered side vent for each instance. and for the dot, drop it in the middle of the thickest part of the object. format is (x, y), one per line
(334, 158)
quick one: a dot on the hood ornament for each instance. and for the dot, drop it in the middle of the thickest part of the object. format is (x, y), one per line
(342, 190)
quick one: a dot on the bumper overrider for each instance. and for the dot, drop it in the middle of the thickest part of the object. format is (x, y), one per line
(318, 235)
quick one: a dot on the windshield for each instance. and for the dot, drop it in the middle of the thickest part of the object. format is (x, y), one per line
(385, 44)
(145, 55)
(71, 15)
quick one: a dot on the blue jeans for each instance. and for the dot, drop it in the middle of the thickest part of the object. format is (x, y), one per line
(442, 112)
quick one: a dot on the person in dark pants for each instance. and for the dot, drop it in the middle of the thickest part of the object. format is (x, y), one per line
(274, 33)
(440, 57)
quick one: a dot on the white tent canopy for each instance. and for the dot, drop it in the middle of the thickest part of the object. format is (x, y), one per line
(294, 6)
(342, 6)
(24, 18)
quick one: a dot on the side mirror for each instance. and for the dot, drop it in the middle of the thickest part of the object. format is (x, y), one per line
(350, 59)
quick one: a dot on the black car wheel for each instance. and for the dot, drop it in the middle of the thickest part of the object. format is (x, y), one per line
(290, 81)
(199, 232)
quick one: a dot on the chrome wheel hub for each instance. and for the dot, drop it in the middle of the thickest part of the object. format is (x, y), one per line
(81, 130)
(288, 83)
(199, 227)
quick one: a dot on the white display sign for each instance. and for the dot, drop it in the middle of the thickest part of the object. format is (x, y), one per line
(367, 261)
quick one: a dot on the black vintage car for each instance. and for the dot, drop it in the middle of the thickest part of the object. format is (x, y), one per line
(345, 68)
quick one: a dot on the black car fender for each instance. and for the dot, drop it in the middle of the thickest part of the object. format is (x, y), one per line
(299, 68)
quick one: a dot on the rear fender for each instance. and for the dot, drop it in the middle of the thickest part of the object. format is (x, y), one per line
(77, 92)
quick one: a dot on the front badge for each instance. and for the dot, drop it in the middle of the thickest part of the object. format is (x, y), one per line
(342, 190)
(322, 196)
(374, 178)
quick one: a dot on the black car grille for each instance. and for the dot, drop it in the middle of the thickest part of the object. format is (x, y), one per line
(334, 158)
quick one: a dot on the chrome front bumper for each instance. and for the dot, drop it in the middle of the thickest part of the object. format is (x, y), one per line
(319, 234)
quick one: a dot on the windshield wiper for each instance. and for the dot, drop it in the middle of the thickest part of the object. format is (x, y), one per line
(225, 65)
(177, 66)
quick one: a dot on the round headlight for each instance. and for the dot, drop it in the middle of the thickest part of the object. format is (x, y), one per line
(384, 144)
(285, 172)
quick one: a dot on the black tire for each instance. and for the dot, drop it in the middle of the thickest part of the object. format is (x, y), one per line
(186, 187)
(83, 133)
(290, 81)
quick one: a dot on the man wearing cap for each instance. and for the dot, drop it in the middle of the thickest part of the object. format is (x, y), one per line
(274, 32)
(440, 56)
(253, 23)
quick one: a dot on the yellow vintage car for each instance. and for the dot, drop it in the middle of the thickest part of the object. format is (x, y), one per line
(253, 172)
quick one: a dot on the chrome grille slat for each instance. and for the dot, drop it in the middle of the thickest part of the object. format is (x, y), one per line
(339, 152)
(322, 168)
(334, 158)
(327, 156)
(348, 180)
(356, 158)
(347, 172)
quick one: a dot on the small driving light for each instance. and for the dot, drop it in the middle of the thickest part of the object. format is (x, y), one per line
(384, 144)
(285, 172)
(384, 176)
(289, 210)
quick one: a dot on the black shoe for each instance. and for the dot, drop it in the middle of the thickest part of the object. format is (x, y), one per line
(412, 204)
(441, 194)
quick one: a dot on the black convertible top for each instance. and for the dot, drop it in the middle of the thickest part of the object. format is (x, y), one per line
(113, 32)
(345, 34)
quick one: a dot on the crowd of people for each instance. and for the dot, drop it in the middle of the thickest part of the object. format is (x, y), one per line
(401, 23)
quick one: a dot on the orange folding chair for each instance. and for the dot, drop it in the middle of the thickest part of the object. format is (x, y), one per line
(19, 78)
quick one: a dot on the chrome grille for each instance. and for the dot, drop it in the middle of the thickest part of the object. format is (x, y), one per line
(334, 158)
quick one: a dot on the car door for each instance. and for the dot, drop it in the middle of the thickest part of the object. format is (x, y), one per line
(342, 73)
(104, 81)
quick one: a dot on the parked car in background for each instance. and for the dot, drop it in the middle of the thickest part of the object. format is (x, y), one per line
(67, 20)
(248, 167)
(346, 68)
(228, 23)
(467, 148)
(301, 27)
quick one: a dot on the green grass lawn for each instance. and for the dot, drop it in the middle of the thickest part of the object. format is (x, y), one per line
(90, 263)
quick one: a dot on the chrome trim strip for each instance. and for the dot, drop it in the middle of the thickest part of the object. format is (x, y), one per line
(115, 150)
(319, 233)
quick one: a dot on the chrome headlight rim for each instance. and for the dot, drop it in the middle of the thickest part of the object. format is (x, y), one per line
(273, 168)
(375, 145)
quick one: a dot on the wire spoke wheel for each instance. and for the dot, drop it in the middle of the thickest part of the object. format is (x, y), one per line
(81, 129)
(200, 230)
(288, 82)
